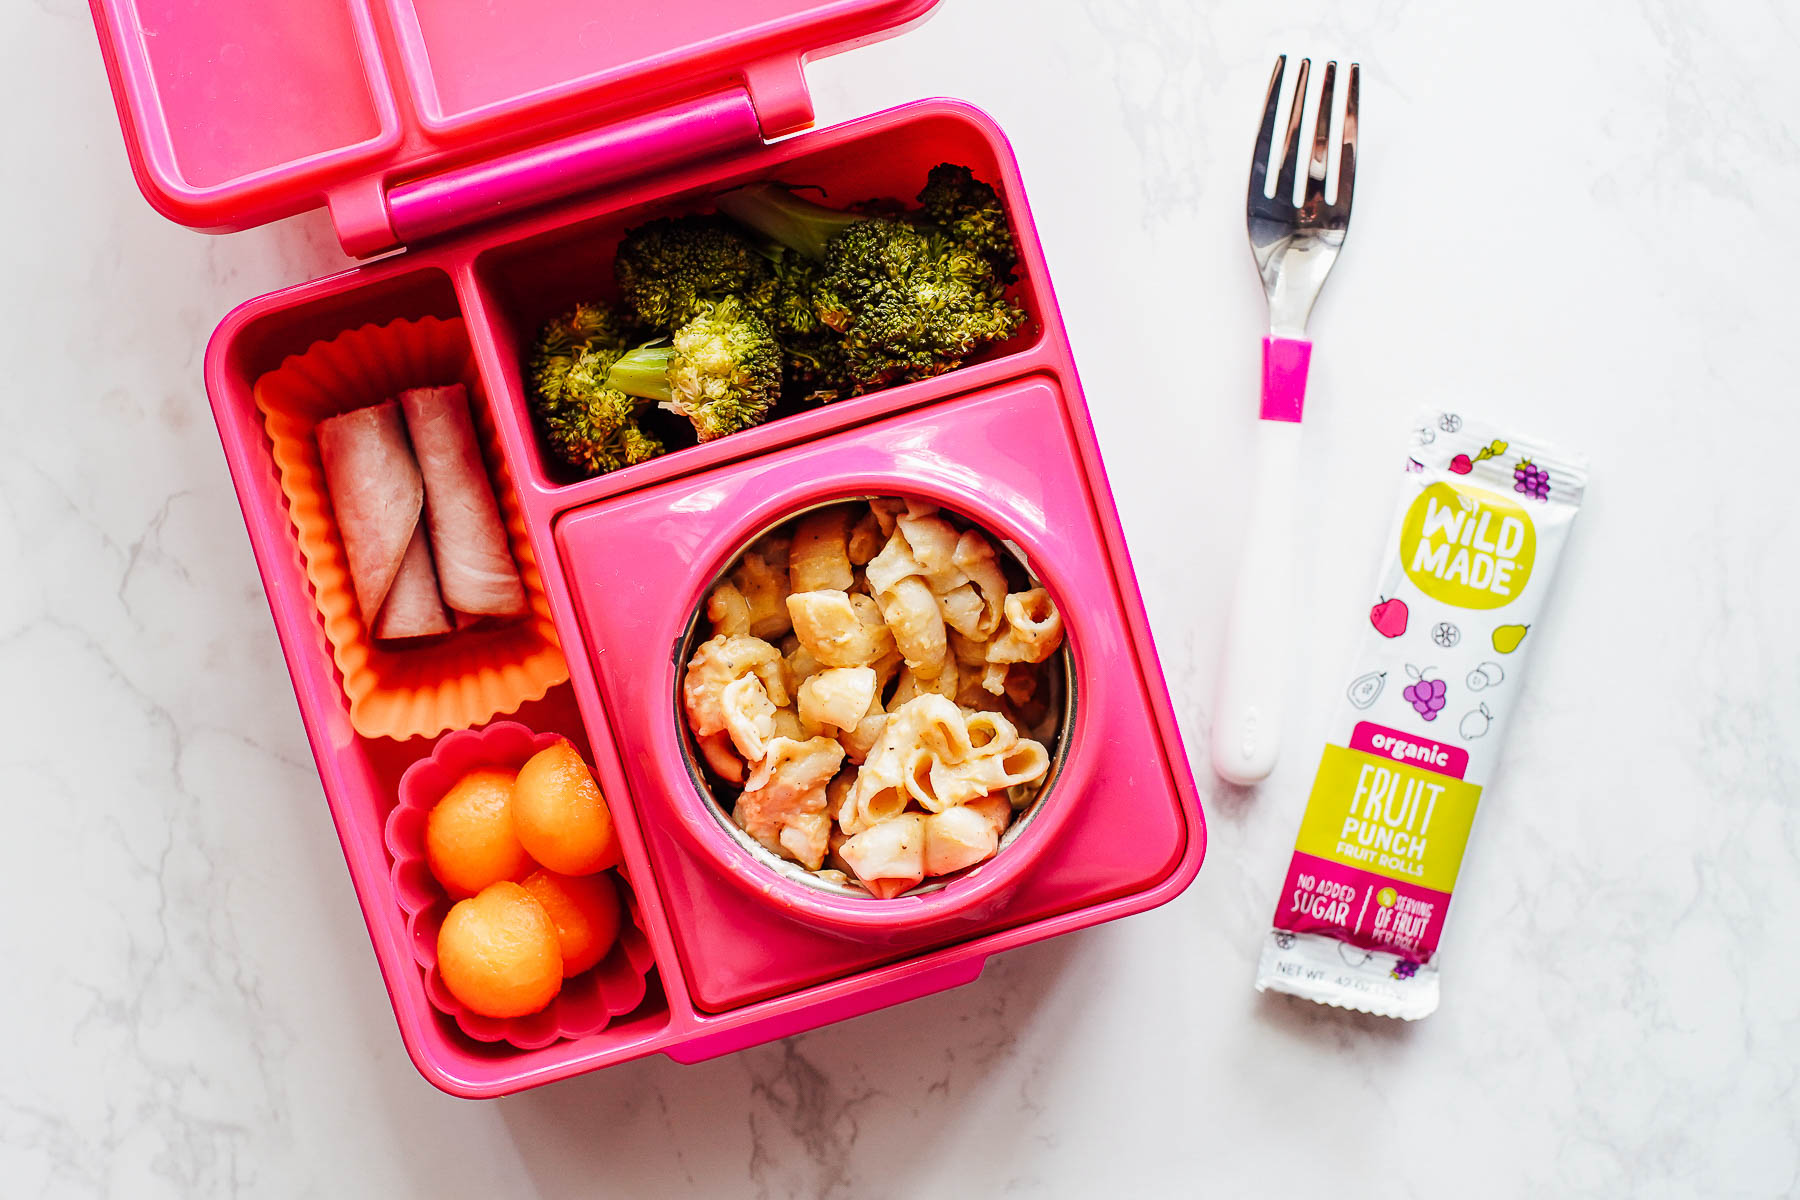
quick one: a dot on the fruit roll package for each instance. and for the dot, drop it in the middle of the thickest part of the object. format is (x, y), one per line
(1480, 524)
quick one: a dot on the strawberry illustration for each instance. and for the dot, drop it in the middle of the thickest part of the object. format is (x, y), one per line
(1461, 465)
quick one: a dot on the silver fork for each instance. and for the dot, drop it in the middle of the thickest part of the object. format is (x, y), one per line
(1295, 247)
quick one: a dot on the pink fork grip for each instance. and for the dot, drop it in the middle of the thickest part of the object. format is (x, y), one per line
(1284, 377)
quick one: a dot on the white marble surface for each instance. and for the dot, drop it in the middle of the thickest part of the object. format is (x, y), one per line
(1576, 217)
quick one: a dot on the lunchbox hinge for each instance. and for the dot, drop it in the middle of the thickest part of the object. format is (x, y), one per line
(772, 101)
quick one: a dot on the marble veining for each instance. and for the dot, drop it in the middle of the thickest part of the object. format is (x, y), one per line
(1569, 217)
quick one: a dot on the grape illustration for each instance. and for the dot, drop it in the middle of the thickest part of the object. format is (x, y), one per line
(1449, 422)
(1285, 941)
(1475, 723)
(1487, 675)
(1366, 689)
(1427, 696)
(1445, 634)
(1531, 480)
(1404, 968)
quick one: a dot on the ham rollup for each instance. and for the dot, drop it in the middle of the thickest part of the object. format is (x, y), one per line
(376, 496)
(413, 608)
(475, 569)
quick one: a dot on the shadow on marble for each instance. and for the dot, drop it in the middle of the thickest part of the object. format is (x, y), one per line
(809, 1114)
(1223, 801)
(1328, 1028)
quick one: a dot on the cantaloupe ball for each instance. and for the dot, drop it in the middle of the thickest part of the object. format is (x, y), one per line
(560, 816)
(585, 911)
(498, 953)
(469, 838)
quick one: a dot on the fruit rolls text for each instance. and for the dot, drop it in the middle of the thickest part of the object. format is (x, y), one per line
(1480, 524)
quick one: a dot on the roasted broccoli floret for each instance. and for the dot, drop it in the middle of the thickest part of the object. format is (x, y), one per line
(812, 359)
(910, 300)
(721, 370)
(587, 424)
(813, 369)
(595, 429)
(786, 303)
(566, 338)
(668, 268)
(969, 212)
(910, 305)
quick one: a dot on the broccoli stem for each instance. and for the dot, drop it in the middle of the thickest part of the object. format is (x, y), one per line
(776, 213)
(643, 372)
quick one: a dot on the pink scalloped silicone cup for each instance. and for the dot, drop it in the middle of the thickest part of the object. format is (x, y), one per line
(589, 1001)
(449, 683)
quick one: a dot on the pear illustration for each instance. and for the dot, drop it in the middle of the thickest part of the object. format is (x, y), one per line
(1508, 637)
(1475, 723)
(1366, 689)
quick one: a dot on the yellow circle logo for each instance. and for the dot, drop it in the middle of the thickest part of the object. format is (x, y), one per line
(1467, 546)
(1386, 897)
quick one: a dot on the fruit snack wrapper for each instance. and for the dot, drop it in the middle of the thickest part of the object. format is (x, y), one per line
(1479, 527)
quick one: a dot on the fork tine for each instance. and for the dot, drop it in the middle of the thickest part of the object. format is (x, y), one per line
(1259, 161)
(1347, 159)
(1290, 153)
(1319, 162)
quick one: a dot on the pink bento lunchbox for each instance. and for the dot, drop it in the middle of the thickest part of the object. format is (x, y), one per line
(498, 151)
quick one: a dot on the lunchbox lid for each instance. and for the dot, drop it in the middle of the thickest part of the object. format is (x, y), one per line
(411, 118)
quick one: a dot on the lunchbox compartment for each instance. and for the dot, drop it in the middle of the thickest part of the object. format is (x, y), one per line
(393, 689)
(265, 332)
(523, 281)
(1114, 823)
(240, 93)
(469, 62)
(443, 1052)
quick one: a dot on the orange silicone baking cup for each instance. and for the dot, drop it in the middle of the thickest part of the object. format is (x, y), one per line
(464, 678)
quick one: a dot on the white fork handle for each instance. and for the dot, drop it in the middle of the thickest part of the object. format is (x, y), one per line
(1246, 727)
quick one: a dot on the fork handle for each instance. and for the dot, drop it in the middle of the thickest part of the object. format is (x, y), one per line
(1246, 728)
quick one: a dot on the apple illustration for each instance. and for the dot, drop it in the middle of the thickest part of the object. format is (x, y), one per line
(1389, 618)
(1461, 464)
